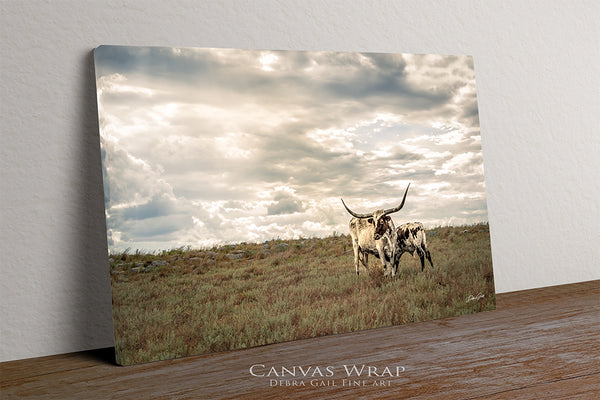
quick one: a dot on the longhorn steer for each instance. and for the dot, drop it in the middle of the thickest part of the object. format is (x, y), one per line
(410, 239)
(375, 234)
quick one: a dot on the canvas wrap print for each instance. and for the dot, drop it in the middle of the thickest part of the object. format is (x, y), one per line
(254, 197)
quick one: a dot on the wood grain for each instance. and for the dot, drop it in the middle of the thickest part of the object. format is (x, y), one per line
(541, 343)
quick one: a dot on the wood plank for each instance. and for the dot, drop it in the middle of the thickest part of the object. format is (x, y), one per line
(539, 295)
(582, 387)
(542, 343)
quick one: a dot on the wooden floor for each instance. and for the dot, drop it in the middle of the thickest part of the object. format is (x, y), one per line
(538, 344)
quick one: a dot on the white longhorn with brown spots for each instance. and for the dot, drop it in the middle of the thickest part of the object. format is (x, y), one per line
(375, 234)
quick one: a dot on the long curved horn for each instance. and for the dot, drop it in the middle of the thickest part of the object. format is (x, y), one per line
(393, 210)
(355, 214)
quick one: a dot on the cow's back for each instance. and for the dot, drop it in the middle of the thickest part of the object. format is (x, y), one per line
(410, 236)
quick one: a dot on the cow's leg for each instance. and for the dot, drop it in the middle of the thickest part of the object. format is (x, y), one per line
(422, 258)
(357, 253)
(391, 261)
(363, 257)
(382, 258)
(397, 261)
(364, 260)
(428, 255)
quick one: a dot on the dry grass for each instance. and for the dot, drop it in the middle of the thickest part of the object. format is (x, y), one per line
(203, 301)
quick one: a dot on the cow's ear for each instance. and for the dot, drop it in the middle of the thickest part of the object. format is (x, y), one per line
(370, 220)
(387, 218)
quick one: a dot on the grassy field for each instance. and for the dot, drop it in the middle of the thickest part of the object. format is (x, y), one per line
(183, 302)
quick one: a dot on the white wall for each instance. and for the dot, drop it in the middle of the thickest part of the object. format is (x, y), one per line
(538, 88)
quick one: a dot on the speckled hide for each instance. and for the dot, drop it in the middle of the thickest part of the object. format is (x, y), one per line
(411, 239)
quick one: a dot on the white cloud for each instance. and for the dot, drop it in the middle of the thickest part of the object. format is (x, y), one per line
(466, 163)
(117, 83)
(232, 146)
(333, 139)
(267, 60)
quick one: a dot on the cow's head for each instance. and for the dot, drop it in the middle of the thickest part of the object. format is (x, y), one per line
(379, 218)
(382, 224)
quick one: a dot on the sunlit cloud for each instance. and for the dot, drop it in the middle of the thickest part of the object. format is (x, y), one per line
(267, 60)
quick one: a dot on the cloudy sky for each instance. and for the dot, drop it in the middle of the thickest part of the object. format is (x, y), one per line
(213, 146)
